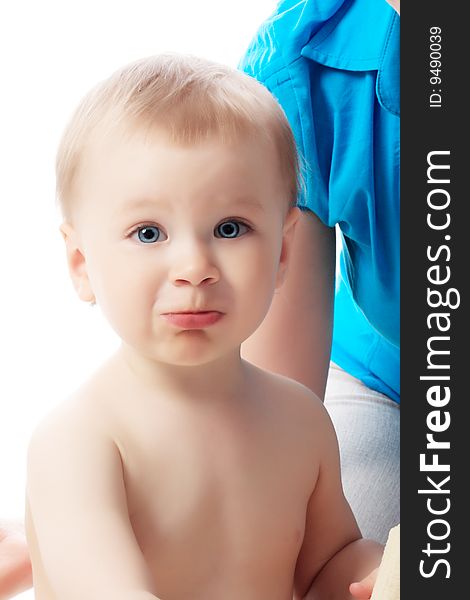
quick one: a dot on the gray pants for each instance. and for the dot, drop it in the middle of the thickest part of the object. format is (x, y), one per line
(367, 424)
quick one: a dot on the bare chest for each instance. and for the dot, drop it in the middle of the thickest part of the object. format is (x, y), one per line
(218, 511)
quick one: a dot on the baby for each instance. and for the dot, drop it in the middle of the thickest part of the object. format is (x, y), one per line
(179, 471)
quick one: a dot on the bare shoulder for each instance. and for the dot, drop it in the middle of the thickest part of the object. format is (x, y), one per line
(79, 421)
(294, 401)
(73, 460)
(63, 424)
(93, 406)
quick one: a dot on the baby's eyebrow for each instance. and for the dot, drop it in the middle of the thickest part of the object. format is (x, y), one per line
(227, 203)
(141, 204)
(246, 202)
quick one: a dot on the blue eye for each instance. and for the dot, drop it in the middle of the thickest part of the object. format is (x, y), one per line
(231, 229)
(149, 234)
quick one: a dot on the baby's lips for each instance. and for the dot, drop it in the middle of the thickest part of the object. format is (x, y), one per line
(193, 320)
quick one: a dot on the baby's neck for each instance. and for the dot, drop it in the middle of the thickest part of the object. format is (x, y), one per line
(217, 381)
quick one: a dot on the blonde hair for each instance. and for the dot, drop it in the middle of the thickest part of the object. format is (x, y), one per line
(187, 97)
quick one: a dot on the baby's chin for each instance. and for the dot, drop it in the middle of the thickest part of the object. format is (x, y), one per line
(193, 348)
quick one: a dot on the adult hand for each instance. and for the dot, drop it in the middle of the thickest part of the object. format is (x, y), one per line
(15, 566)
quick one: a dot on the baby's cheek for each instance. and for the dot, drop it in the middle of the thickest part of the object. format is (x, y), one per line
(259, 286)
(122, 305)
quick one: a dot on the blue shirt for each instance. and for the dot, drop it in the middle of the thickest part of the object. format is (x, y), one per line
(334, 67)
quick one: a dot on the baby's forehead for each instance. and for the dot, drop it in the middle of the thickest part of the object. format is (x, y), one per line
(130, 142)
(138, 167)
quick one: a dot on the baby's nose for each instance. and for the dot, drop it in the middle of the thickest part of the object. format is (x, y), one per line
(195, 267)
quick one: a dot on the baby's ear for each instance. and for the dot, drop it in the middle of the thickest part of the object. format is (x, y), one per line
(77, 263)
(287, 239)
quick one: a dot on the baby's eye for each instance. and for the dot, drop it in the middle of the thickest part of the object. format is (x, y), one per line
(231, 229)
(149, 234)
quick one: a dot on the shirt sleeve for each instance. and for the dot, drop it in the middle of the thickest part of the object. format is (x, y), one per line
(323, 62)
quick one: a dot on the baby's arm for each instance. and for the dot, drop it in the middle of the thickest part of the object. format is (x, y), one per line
(85, 543)
(333, 554)
(15, 566)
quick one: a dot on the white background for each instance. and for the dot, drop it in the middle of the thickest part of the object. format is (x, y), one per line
(51, 53)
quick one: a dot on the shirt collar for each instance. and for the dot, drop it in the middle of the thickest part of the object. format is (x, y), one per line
(361, 35)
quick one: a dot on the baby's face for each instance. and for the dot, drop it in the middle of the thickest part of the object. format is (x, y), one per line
(183, 246)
